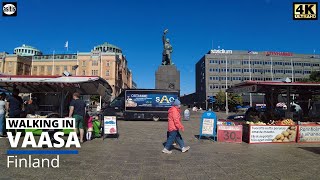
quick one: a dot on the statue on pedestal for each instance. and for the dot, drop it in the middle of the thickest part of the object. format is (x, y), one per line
(167, 49)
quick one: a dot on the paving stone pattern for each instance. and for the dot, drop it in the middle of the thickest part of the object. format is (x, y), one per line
(137, 155)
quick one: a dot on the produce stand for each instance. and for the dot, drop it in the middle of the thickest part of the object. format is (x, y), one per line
(264, 128)
(61, 86)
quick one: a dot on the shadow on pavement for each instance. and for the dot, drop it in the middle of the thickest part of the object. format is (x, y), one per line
(172, 147)
(315, 150)
(205, 138)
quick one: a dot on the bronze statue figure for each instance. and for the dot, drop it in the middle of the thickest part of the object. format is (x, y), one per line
(167, 49)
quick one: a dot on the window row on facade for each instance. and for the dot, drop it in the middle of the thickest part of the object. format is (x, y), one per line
(29, 51)
(276, 63)
(222, 78)
(69, 56)
(47, 70)
(278, 71)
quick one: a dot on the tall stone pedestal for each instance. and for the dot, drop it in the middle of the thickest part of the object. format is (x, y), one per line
(168, 77)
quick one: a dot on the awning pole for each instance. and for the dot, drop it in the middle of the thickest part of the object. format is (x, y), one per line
(61, 104)
(288, 99)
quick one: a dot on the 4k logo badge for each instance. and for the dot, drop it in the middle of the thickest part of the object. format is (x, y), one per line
(9, 9)
(305, 10)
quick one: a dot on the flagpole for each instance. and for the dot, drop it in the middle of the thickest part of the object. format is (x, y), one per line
(52, 71)
(227, 110)
(250, 79)
(77, 63)
(101, 77)
(31, 66)
(292, 76)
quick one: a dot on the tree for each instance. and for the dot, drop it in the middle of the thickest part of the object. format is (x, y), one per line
(233, 100)
(95, 98)
(313, 77)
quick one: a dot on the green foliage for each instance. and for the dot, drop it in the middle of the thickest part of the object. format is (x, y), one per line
(314, 77)
(233, 100)
(95, 98)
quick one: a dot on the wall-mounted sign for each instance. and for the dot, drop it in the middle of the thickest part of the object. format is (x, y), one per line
(279, 53)
(246, 89)
(252, 52)
(220, 51)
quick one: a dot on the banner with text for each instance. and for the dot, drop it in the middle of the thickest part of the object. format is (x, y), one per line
(268, 134)
(309, 133)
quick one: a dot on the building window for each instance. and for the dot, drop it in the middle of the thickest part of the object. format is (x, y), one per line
(35, 69)
(57, 69)
(94, 72)
(49, 69)
(84, 72)
(10, 64)
(42, 69)
(108, 64)
(83, 63)
(107, 73)
(65, 68)
(94, 63)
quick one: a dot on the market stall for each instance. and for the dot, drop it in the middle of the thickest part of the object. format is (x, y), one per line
(55, 92)
(274, 127)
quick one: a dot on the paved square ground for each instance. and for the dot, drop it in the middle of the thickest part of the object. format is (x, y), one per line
(137, 155)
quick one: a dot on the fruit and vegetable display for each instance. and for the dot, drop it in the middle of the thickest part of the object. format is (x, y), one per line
(289, 122)
(287, 136)
(255, 123)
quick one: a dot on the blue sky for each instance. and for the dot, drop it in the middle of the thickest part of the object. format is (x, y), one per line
(137, 25)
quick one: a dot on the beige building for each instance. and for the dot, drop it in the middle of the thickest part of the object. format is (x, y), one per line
(106, 61)
(12, 64)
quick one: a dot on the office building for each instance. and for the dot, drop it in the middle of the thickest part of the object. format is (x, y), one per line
(220, 69)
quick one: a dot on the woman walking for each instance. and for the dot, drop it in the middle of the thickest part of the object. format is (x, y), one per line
(174, 125)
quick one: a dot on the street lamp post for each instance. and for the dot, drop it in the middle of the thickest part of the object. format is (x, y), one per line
(250, 79)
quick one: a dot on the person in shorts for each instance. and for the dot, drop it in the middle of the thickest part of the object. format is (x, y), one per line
(77, 110)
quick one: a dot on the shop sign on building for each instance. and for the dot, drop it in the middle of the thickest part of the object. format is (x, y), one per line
(220, 51)
(246, 89)
(252, 52)
(278, 53)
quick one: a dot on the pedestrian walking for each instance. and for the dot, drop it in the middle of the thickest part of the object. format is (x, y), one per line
(174, 126)
(77, 110)
(2, 114)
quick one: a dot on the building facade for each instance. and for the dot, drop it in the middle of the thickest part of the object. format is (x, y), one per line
(220, 69)
(106, 61)
(12, 64)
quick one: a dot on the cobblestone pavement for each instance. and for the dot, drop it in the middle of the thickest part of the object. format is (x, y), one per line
(137, 155)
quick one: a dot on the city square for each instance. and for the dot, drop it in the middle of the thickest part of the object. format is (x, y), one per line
(137, 155)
